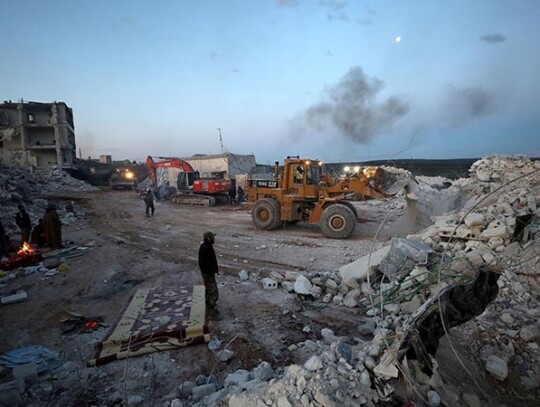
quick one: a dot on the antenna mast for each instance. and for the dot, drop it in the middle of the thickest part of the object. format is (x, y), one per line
(220, 140)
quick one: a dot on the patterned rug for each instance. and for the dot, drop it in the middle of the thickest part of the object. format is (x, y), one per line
(154, 320)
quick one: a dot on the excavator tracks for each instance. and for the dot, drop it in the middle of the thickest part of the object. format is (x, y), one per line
(195, 200)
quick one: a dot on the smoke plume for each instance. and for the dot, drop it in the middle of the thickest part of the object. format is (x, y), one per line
(353, 109)
(464, 104)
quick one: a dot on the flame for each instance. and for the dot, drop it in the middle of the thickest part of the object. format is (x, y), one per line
(91, 324)
(26, 249)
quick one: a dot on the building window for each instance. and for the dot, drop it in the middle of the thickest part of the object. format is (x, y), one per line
(30, 118)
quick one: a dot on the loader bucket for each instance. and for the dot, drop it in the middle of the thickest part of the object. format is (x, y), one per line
(390, 180)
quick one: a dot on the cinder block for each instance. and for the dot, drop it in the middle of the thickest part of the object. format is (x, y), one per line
(269, 284)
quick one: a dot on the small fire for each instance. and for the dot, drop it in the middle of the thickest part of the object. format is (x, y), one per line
(26, 249)
(91, 324)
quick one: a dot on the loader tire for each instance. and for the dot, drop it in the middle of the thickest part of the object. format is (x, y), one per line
(337, 221)
(266, 214)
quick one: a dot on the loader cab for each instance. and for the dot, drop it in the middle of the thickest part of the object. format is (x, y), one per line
(303, 177)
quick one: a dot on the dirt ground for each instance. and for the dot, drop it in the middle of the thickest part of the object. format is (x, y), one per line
(132, 251)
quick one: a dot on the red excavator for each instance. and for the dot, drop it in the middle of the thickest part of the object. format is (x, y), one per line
(193, 190)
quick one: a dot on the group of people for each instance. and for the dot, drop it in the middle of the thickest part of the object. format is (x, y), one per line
(48, 231)
(236, 195)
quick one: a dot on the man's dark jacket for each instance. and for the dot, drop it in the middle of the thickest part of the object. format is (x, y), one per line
(207, 259)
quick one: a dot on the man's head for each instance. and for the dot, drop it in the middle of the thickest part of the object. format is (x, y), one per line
(20, 207)
(209, 237)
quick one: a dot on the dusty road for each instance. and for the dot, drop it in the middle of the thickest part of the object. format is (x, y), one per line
(131, 252)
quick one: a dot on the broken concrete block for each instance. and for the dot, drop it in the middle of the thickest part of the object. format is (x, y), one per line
(337, 299)
(314, 363)
(302, 285)
(411, 306)
(331, 284)
(237, 378)
(327, 298)
(288, 286)
(474, 219)
(199, 392)
(359, 269)
(269, 284)
(350, 302)
(17, 297)
(488, 257)
(243, 275)
(277, 276)
(530, 333)
(225, 355)
(460, 232)
(495, 242)
(498, 231)
(263, 372)
(497, 367)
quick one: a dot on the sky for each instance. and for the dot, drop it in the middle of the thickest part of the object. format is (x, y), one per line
(327, 79)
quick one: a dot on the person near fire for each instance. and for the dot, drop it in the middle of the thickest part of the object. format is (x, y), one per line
(52, 228)
(22, 219)
(149, 202)
(4, 243)
(209, 268)
(38, 235)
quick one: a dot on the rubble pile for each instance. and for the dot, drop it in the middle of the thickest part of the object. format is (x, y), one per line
(19, 185)
(398, 284)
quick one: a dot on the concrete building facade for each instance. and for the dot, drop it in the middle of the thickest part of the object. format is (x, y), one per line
(37, 134)
(235, 167)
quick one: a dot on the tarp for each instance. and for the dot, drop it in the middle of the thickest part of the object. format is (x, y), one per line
(156, 319)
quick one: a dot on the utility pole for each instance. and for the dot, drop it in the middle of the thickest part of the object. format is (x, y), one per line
(220, 140)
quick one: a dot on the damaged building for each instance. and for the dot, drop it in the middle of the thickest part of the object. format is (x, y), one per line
(37, 135)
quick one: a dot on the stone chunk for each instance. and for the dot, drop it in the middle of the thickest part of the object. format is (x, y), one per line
(302, 285)
(314, 363)
(264, 371)
(497, 367)
(530, 333)
(237, 378)
(11, 299)
(199, 392)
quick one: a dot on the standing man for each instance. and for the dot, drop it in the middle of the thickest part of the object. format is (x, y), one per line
(209, 269)
(4, 245)
(241, 194)
(22, 219)
(232, 195)
(52, 228)
(149, 202)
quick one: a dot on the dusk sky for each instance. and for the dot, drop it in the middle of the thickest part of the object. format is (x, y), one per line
(330, 79)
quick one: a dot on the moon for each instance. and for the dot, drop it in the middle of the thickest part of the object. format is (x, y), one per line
(398, 39)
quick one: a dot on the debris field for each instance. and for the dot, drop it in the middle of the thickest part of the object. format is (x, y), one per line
(433, 301)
